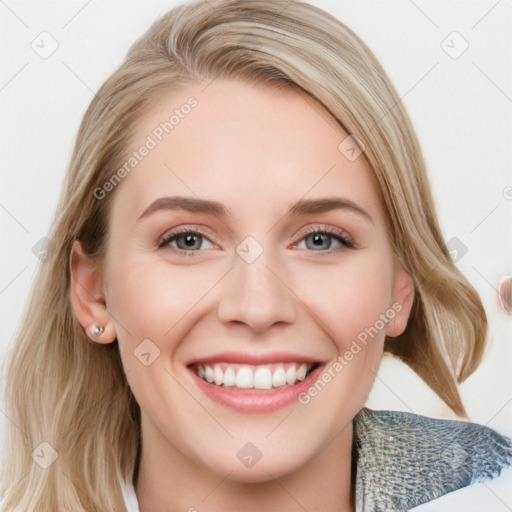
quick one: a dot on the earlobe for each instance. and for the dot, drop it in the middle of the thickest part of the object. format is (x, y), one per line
(402, 300)
(87, 298)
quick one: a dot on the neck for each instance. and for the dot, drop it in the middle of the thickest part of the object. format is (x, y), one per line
(175, 483)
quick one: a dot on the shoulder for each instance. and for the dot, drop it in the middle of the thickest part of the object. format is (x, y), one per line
(405, 460)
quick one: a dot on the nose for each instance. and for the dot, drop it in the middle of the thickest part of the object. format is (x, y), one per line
(257, 295)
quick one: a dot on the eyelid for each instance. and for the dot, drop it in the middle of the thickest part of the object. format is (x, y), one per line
(344, 237)
(323, 228)
(171, 233)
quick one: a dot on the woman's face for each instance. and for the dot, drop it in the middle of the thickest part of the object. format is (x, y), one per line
(213, 268)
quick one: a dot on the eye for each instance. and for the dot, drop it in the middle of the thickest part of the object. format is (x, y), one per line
(185, 240)
(323, 239)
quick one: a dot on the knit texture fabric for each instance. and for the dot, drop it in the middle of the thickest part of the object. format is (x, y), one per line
(405, 460)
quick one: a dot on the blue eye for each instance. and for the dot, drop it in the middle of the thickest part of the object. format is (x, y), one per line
(322, 241)
(186, 240)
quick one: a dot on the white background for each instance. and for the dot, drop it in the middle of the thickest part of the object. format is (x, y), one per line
(461, 109)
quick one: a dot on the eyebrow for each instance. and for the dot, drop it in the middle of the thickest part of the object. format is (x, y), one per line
(301, 207)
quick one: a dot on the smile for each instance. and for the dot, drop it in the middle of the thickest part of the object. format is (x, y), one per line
(254, 377)
(254, 388)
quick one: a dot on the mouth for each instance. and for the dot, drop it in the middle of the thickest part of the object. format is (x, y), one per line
(244, 377)
(254, 388)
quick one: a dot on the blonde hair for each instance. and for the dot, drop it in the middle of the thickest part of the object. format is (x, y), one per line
(62, 389)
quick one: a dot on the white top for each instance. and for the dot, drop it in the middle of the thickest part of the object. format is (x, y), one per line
(495, 495)
(130, 498)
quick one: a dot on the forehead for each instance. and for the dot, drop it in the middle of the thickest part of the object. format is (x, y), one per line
(245, 145)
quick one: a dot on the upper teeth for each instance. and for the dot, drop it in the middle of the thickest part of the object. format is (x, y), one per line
(256, 377)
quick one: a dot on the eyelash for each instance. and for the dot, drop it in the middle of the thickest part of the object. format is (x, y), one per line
(341, 236)
(338, 234)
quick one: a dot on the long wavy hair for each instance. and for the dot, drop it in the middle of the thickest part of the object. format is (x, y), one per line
(61, 389)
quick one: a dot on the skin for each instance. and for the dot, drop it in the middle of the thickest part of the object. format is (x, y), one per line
(255, 149)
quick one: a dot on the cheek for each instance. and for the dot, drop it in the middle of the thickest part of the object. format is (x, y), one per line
(352, 303)
(350, 298)
(150, 299)
(153, 305)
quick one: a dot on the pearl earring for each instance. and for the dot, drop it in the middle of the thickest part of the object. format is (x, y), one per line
(96, 332)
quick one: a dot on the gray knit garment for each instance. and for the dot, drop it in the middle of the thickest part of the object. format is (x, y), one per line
(405, 460)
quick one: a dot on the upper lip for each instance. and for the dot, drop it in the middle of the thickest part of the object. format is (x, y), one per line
(255, 359)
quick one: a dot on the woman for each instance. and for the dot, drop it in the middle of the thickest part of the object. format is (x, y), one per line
(245, 228)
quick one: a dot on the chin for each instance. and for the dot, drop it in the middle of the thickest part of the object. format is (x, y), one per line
(261, 471)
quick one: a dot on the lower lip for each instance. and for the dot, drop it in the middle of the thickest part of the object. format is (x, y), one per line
(252, 401)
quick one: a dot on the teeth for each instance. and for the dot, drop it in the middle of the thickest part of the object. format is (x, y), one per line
(263, 378)
(301, 372)
(291, 375)
(218, 375)
(229, 377)
(279, 377)
(208, 373)
(244, 378)
(254, 377)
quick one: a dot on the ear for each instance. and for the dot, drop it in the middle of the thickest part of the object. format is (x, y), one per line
(87, 297)
(401, 302)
